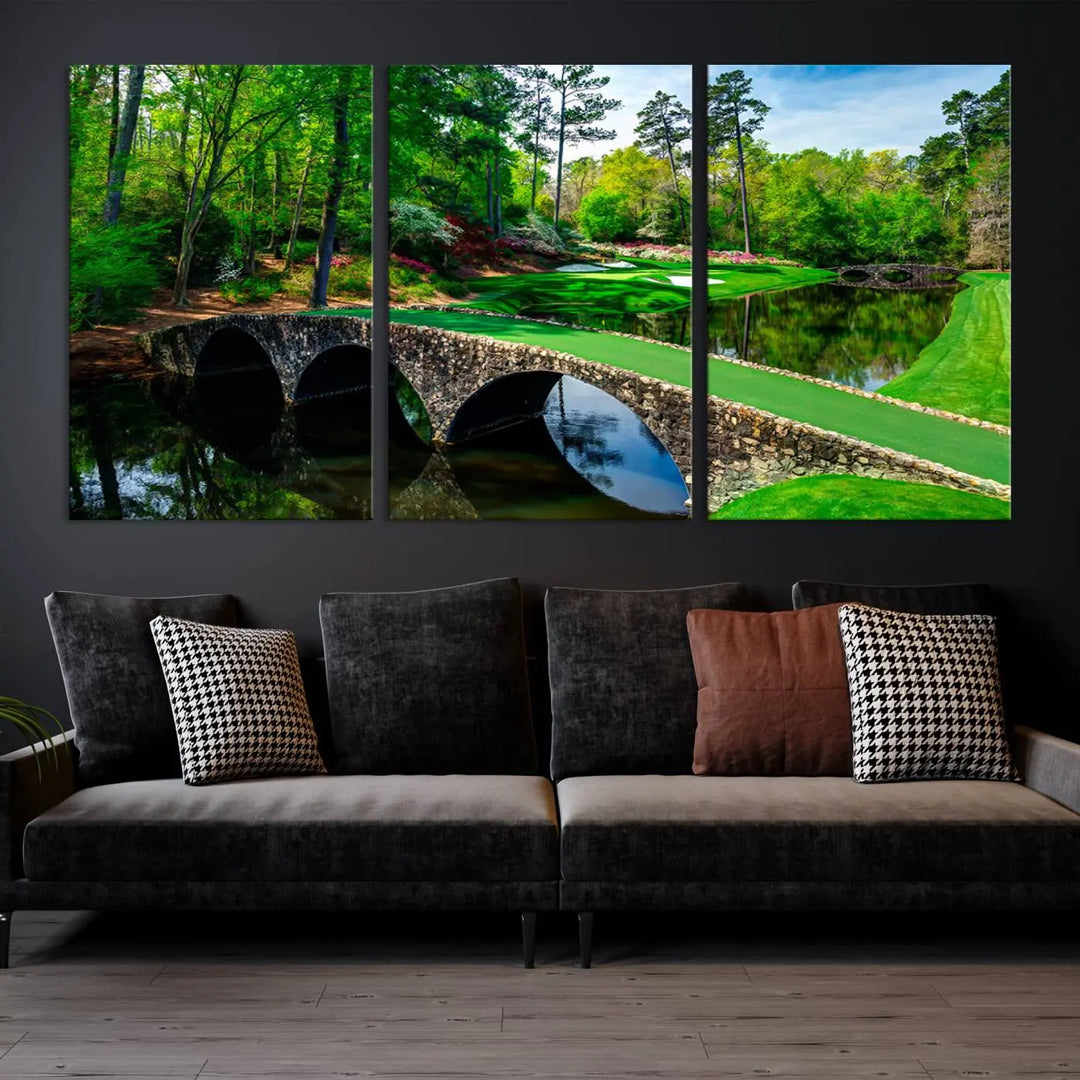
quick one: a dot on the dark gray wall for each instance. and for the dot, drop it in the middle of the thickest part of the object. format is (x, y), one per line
(279, 569)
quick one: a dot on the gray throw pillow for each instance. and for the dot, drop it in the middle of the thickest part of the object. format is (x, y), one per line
(429, 682)
(965, 598)
(623, 689)
(116, 692)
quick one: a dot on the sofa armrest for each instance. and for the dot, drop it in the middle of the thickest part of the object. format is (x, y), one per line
(24, 794)
(1049, 765)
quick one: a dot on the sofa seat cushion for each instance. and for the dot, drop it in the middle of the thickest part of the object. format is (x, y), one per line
(820, 828)
(301, 828)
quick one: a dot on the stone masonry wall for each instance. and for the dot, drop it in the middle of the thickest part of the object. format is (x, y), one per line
(748, 447)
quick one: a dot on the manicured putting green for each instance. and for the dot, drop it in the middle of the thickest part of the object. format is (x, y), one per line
(860, 498)
(648, 287)
(966, 369)
(959, 446)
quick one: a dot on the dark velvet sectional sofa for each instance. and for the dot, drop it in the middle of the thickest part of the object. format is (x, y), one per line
(621, 824)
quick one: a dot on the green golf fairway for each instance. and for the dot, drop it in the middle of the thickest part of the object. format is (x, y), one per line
(646, 288)
(959, 446)
(966, 368)
(853, 498)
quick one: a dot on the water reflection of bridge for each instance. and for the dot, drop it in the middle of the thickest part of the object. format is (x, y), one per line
(896, 275)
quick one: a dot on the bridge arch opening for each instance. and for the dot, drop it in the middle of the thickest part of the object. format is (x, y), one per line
(501, 402)
(231, 350)
(341, 369)
(853, 273)
(410, 412)
(897, 275)
(578, 445)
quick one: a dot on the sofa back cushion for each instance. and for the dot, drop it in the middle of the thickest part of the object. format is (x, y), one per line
(429, 682)
(623, 692)
(115, 689)
(772, 693)
(965, 598)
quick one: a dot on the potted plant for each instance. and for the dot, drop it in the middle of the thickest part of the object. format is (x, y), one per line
(30, 722)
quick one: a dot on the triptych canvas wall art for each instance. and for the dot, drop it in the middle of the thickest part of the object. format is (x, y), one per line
(540, 268)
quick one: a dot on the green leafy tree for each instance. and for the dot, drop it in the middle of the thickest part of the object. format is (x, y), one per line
(964, 111)
(537, 121)
(732, 116)
(338, 164)
(664, 124)
(606, 216)
(580, 108)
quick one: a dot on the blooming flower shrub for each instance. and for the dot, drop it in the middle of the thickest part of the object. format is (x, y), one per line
(645, 249)
(336, 261)
(412, 264)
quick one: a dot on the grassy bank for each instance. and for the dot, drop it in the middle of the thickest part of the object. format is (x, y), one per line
(848, 498)
(960, 446)
(966, 369)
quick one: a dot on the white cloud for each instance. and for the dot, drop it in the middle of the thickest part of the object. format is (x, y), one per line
(873, 107)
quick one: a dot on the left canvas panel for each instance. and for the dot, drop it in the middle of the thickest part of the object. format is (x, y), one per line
(218, 214)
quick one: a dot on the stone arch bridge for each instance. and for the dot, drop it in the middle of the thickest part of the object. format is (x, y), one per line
(447, 369)
(896, 275)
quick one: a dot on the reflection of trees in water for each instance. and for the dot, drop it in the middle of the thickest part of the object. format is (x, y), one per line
(831, 332)
(582, 437)
(148, 464)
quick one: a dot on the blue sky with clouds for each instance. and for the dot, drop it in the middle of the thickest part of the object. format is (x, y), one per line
(633, 85)
(873, 107)
(832, 107)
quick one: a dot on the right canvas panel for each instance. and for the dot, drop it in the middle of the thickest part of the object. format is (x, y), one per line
(859, 292)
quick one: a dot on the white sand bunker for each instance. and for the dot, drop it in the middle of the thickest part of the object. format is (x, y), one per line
(619, 264)
(579, 268)
(685, 281)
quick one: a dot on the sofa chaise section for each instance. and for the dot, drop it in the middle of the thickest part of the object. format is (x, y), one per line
(333, 842)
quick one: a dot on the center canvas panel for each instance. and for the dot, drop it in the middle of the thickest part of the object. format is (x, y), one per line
(540, 289)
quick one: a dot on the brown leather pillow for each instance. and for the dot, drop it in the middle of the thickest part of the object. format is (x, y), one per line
(772, 693)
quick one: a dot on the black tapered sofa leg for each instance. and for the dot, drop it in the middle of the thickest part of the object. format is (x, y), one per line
(5, 937)
(528, 938)
(584, 930)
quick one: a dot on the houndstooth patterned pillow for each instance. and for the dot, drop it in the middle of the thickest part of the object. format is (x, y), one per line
(925, 696)
(237, 700)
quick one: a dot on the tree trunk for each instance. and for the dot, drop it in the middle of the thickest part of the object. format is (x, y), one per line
(185, 128)
(198, 204)
(675, 181)
(251, 242)
(274, 243)
(562, 140)
(114, 122)
(498, 199)
(742, 185)
(535, 171)
(183, 266)
(490, 196)
(333, 194)
(297, 211)
(118, 167)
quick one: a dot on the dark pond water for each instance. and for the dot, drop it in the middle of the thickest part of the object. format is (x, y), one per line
(668, 326)
(225, 447)
(859, 337)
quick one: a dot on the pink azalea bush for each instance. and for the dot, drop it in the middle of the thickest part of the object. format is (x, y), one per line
(336, 261)
(412, 264)
(646, 249)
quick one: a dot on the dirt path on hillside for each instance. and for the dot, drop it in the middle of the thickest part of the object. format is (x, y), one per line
(111, 350)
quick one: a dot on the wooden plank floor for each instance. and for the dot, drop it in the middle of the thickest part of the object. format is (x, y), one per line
(224, 997)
